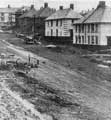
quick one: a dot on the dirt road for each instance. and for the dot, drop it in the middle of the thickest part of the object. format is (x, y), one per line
(92, 94)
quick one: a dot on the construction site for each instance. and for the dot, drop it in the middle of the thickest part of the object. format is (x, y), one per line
(44, 83)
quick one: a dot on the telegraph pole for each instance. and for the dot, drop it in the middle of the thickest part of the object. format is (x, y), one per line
(33, 22)
(34, 25)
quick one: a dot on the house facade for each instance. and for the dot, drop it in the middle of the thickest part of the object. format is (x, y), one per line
(19, 13)
(7, 17)
(94, 28)
(26, 20)
(43, 13)
(33, 21)
(58, 26)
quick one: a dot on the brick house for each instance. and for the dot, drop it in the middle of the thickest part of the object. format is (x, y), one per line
(34, 20)
(19, 13)
(94, 28)
(26, 21)
(59, 27)
(41, 15)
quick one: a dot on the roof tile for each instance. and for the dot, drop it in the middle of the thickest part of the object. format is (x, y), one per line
(99, 15)
(65, 13)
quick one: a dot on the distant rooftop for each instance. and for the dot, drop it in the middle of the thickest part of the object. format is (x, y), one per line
(65, 14)
(8, 9)
(29, 14)
(102, 14)
(45, 11)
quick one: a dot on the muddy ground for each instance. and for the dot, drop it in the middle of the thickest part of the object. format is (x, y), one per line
(65, 87)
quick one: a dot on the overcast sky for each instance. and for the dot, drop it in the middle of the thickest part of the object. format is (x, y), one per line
(78, 4)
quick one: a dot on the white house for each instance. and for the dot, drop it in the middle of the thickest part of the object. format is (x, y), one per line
(7, 16)
(94, 28)
(58, 26)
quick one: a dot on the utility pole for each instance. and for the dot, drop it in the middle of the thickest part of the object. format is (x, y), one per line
(34, 25)
(34, 22)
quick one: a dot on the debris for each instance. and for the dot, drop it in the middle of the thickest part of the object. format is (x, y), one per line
(103, 66)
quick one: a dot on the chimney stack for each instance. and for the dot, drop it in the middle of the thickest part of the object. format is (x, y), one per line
(9, 6)
(45, 5)
(72, 6)
(102, 4)
(32, 7)
(61, 7)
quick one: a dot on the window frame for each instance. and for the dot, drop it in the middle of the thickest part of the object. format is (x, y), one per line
(51, 32)
(92, 40)
(88, 30)
(57, 32)
(96, 40)
(51, 23)
(92, 28)
(83, 40)
(89, 40)
(57, 22)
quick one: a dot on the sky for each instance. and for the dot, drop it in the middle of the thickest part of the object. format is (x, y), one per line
(78, 4)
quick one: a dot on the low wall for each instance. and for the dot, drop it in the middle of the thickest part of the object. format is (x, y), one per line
(60, 40)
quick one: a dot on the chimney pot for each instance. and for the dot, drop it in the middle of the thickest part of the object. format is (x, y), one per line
(45, 5)
(61, 7)
(72, 6)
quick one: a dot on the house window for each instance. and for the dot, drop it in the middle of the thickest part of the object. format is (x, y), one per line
(89, 28)
(79, 28)
(96, 40)
(2, 19)
(80, 39)
(56, 32)
(92, 27)
(92, 39)
(2, 14)
(51, 32)
(83, 39)
(10, 18)
(96, 28)
(57, 23)
(72, 21)
(51, 23)
(89, 40)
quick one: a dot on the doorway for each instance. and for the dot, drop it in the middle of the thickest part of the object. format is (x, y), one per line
(109, 40)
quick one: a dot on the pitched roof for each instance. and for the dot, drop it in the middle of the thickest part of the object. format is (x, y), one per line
(29, 14)
(44, 12)
(84, 17)
(102, 14)
(22, 9)
(8, 10)
(65, 13)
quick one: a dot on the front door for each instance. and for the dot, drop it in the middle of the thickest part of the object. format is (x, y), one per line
(109, 40)
(71, 33)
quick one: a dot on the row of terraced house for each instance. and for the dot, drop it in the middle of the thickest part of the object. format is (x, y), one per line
(94, 28)
(64, 25)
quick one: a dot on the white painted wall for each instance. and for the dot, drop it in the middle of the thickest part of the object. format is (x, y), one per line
(105, 31)
(86, 34)
(63, 30)
(6, 18)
